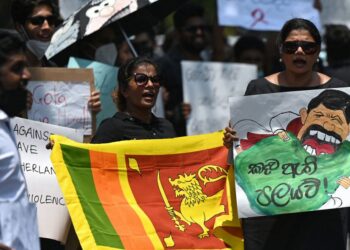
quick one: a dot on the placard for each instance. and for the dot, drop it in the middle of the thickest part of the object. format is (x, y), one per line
(43, 189)
(293, 155)
(265, 15)
(207, 87)
(105, 81)
(60, 97)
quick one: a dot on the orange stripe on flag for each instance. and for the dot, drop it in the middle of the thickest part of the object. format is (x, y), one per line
(108, 186)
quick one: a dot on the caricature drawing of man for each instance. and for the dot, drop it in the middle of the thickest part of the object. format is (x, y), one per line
(325, 122)
(321, 127)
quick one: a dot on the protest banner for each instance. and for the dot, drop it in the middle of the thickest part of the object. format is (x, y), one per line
(265, 15)
(105, 81)
(43, 190)
(60, 97)
(207, 87)
(295, 151)
(158, 194)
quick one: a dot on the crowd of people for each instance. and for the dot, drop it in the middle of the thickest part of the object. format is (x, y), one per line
(139, 82)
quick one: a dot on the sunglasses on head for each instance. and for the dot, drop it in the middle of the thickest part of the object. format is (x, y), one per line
(39, 20)
(194, 28)
(309, 48)
(142, 79)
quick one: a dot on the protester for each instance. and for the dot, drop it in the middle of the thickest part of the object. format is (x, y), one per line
(18, 220)
(139, 83)
(250, 49)
(35, 20)
(192, 33)
(299, 43)
(337, 39)
(145, 44)
(124, 53)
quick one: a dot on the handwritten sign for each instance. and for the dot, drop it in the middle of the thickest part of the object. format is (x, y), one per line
(43, 189)
(265, 15)
(105, 81)
(291, 160)
(60, 97)
(207, 87)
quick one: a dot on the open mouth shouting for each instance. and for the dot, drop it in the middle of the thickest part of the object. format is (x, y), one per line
(149, 96)
(317, 140)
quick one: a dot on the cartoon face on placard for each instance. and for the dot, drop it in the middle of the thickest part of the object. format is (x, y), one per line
(102, 11)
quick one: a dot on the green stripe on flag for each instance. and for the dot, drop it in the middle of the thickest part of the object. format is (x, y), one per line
(78, 163)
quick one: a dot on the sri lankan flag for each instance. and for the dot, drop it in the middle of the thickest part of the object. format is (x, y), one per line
(149, 194)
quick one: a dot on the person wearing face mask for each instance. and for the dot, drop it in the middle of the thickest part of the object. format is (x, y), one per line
(35, 20)
(18, 220)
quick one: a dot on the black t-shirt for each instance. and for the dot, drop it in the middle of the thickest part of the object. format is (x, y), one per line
(125, 127)
(319, 230)
(263, 86)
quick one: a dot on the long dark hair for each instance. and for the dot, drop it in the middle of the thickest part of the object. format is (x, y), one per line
(124, 74)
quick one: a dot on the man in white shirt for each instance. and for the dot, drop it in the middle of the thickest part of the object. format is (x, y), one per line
(18, 221)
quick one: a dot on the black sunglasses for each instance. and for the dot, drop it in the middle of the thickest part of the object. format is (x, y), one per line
(142, 79)
(194, 28)
(309, 48)
(39, 20)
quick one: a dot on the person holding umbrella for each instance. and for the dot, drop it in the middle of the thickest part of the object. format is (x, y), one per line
(299, 44)
(139, 84)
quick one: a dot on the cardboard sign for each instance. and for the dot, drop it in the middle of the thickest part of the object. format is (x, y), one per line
(60, 97)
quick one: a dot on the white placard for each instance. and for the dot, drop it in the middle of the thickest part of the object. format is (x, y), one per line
(262, 116)
(265, 14)
(43, 189)
(61, 103)
(207, 87)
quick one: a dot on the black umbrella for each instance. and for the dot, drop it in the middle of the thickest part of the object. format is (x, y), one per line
(129, 16)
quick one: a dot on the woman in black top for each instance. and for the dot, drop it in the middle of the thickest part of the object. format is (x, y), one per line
(299, 44)
(139, 84)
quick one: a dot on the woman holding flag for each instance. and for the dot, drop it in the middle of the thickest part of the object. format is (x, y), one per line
(139, 84)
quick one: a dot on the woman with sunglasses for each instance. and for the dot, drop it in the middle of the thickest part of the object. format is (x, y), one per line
(299, 44)
(138, 89)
